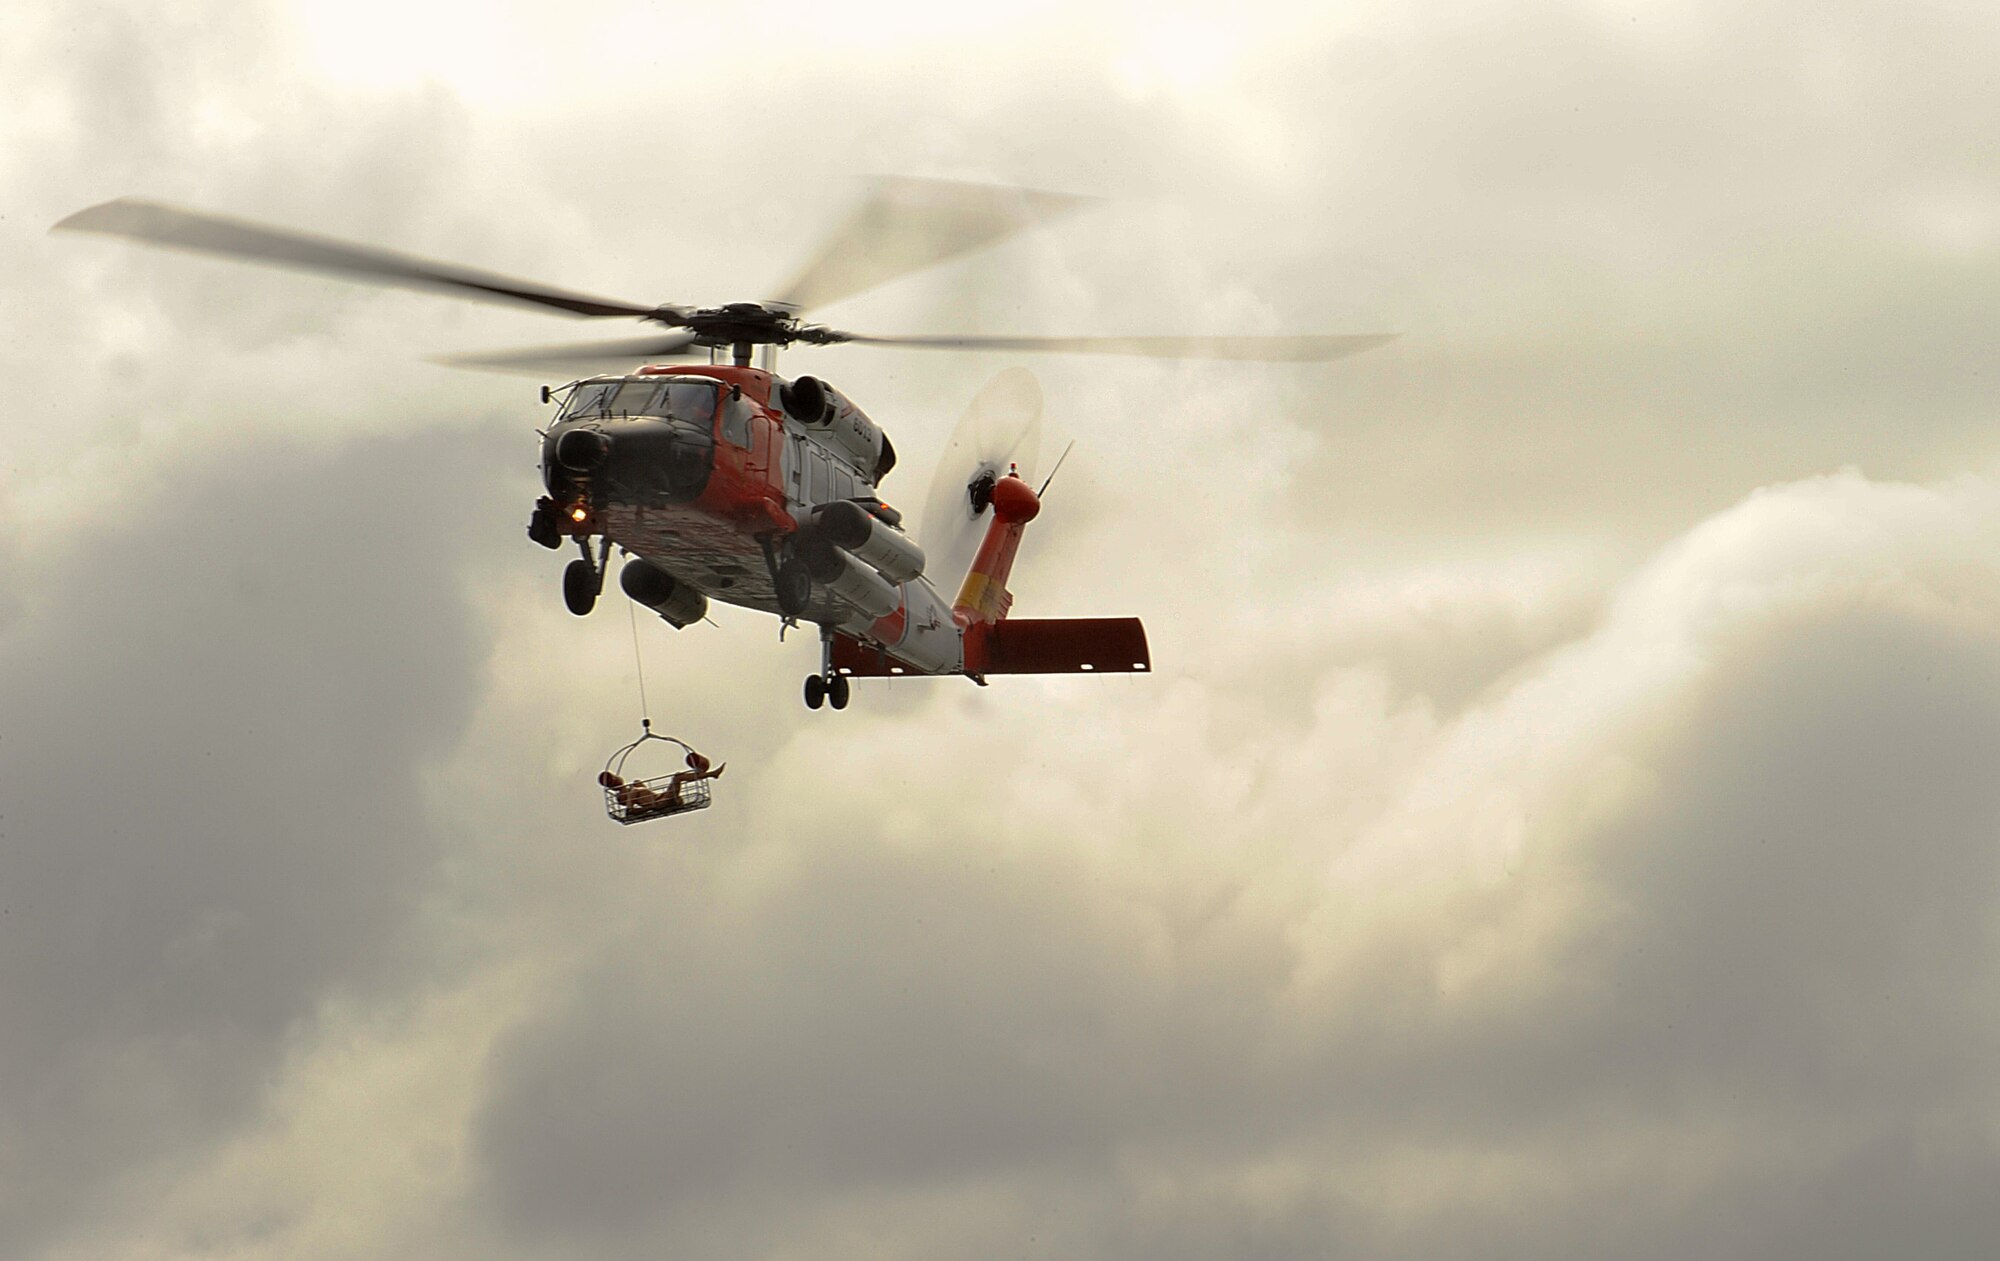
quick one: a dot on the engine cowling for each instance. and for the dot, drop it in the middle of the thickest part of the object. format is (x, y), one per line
(839, 573)
(807, 400)
(852, 529)
(679, 604)
(817, 405)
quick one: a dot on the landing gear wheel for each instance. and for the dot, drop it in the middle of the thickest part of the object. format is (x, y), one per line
(580, 586)
(837, 691)
(794, 583)
(816, 692)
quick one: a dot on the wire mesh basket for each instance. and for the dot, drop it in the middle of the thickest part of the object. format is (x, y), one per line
(638, 800)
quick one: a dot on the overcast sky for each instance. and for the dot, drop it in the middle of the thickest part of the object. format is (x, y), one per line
(1562, 821)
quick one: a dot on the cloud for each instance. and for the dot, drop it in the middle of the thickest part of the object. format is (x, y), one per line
(218, 703)
(1558, 822)
(1618, 948)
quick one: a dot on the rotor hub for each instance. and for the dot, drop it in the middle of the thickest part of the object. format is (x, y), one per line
(734, 324)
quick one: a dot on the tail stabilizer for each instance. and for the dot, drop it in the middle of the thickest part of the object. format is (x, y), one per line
(1022, 645)
(1058, 645)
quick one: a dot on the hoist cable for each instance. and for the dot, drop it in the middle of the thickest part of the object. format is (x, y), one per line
(639, 661)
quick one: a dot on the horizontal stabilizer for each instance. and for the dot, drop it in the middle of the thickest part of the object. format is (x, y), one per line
(1032, 645)
(1059, 645)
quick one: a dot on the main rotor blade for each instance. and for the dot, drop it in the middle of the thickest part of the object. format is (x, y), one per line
(906, 225)
(575, 354)
(159, 224)
(1271, 349)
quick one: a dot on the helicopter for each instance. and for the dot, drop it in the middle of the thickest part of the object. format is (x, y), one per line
(724, 481)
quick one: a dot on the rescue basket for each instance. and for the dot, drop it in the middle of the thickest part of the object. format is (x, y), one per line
(676, 792)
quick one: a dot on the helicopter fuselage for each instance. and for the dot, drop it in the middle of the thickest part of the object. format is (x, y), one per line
(733, 484)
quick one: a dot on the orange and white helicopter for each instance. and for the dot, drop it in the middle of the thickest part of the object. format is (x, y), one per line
(725, 481)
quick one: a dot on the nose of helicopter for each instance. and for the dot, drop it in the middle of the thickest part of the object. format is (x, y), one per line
(643, 460)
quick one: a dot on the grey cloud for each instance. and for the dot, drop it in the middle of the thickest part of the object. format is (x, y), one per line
(1639, 270)
(1766, 952)
(215, 720)
(854, 1027)
(1818, 878)
(1679, 920)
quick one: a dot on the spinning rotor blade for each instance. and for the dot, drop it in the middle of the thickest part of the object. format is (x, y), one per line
(159, 224)
(539, 359)
(906, 225)
(1270, 349)
(1002, 427)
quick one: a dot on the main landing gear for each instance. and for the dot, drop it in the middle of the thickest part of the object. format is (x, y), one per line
(584, 579)
(791, 578)
(826, 687)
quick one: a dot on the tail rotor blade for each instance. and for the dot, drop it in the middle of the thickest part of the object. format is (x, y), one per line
(1001, 428)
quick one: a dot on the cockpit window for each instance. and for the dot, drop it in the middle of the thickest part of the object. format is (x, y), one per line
(589, 398)
(638, 398)
(682, 400)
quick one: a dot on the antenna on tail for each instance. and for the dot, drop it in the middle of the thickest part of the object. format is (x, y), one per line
(1057, 469)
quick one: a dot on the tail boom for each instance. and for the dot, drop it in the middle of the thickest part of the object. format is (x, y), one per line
(988, 642)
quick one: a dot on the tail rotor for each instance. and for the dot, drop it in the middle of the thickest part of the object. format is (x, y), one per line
(1000, 430)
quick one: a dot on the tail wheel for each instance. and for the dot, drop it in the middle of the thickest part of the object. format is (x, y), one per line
(837, 691)
(580, 586)
(816, 692)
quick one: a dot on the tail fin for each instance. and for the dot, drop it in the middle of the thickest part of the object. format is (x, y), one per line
(1071, 645)
(984, 598)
